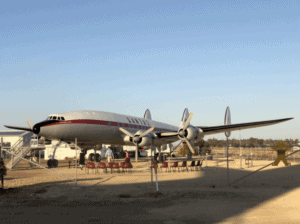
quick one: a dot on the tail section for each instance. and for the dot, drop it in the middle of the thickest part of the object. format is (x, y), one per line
(147, 115)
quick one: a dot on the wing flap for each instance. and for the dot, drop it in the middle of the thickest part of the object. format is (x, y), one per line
(234, 127)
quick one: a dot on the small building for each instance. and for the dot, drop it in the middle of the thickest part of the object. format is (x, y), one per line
(12, 138)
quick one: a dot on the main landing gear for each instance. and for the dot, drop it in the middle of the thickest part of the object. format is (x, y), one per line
(94, 157)
(52, 163)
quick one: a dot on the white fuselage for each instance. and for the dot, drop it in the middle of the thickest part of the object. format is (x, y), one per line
(98, 127)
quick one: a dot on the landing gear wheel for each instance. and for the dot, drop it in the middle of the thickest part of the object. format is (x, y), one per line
(55, 163)
(165, 158)
(98, 157)
(50, 163)
(91, 157)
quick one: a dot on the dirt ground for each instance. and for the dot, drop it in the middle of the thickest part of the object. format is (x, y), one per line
(38, 195)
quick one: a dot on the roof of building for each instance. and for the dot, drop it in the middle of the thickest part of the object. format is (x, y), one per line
(11, 133)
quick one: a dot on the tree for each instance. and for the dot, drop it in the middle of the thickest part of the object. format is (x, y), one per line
(251, 142)
(260, 142)
(235, 143)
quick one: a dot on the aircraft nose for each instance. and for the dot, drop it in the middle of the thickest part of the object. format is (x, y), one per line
(36, 128)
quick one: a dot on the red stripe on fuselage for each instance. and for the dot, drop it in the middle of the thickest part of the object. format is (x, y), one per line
(99, 122)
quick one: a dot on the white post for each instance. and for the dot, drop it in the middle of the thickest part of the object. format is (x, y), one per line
(227, 162)
(151, 164)
(75, 161)
(241, 162)
(1, 148)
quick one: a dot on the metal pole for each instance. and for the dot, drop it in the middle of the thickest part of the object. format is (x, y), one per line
(151, 164)
(227, 162)
(217, 159)
(206, 159)
(241, 162)
(1, 147)
(75, 161)
(40, 157)
(251, 160)
(155, 169)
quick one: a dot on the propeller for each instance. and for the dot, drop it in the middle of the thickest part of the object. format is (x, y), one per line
(182, 132)
(136, 139)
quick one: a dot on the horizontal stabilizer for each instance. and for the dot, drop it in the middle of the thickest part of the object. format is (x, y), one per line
(234, 127)
(18, 128)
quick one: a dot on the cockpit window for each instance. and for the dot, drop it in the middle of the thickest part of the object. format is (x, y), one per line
(62, 118)
(54, 118)
(50, 118)
(136, 121)
(128, 119)
(132, 120)
(58, 118)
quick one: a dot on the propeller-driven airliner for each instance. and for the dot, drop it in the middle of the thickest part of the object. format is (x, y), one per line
(94, 128)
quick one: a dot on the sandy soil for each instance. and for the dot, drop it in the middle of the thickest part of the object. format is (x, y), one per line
(270, 195)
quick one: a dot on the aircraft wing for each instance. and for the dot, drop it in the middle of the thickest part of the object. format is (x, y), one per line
(18, 128)
(234, 127)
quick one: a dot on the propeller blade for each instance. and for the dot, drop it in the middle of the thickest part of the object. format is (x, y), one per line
(186, 124)
(169, 134)
(126, 132)
(30, 125)
(147, 132)
(189, 145)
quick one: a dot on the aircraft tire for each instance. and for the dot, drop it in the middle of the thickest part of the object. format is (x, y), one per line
(98, 157)
(55, 163)
(50, 163)
(164, 158)
(91, 157)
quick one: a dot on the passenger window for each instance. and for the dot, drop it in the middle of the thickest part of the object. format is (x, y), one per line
(128, 119)
(58, 118)
(54, 117)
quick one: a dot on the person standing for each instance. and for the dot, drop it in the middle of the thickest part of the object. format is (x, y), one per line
(109, 155)
(127, 158)
(2, 171)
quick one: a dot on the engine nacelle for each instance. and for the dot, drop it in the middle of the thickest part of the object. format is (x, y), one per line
(127, 139)
(146, 141)
(194, 134)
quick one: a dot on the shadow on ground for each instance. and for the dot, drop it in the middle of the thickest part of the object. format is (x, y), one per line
(203, 199)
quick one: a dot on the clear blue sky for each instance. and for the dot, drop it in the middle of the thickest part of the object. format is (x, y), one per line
(127, 56)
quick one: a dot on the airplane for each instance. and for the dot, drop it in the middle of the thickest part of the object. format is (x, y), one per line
(94, 128)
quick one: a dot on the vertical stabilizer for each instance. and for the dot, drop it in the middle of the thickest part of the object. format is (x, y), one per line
(147, 115)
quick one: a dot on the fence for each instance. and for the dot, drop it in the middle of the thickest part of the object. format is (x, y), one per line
(258, 153)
